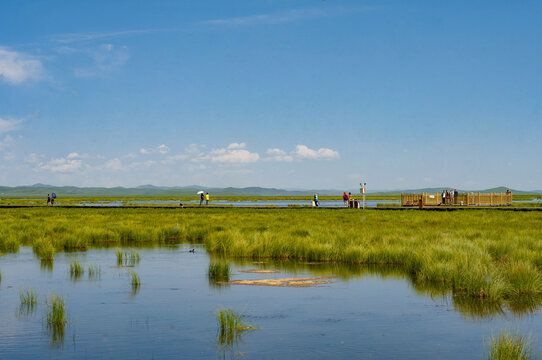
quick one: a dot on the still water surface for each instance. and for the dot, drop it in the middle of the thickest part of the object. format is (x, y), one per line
(360, 315)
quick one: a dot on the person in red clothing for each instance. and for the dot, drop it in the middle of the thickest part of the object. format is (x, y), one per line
(345, 199)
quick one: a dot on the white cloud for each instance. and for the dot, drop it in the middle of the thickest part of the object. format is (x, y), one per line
(16, 67)
(300, 152)
(61, 165)
(163, 149)
(234, 153)
(9, 124)
(237, 146)
(73, 155)
(278, 155)
(304, 152)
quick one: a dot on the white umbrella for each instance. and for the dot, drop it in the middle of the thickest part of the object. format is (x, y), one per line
(200, 192)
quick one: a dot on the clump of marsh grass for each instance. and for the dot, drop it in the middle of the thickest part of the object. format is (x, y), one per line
(8, 244)
(44, 249)
(56, 318)
(120, 257)
(94, 272)
(76, 270)
(29, 300)
(218, 272)
(230, 326)
(135, 281)
(508, 346)
(131, 258)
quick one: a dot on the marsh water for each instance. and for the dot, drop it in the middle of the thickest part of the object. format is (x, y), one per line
(368, 313)
(280, 203)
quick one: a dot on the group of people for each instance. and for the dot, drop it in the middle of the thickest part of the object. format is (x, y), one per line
(50, 200)
(448, 197)
(204, 198)
(346, 198)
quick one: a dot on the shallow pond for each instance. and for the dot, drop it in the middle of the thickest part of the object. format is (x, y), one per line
(282, 203)
(362, 313)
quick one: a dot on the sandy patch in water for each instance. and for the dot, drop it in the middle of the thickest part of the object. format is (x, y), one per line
(287, 282)
(255, 271)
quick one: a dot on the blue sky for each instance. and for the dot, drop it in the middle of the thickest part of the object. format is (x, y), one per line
(291, 94)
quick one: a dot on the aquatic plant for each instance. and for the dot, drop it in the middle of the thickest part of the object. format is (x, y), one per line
(56, 312)
(94, 271)
(28, 297)
(56, 319)
(218, 272)
(28, 301)
(135, 280)
(128, 258)
(120, 257)
(508, 346)
(76, 270)
(230, 326)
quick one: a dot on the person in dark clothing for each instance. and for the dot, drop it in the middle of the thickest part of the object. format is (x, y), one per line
(48, 199)
(202, 197)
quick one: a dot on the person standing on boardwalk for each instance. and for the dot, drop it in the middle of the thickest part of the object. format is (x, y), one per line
(443, 197)
(207, 199)
(201, 199)
(315, 199)
(345, 199)
(48, 199)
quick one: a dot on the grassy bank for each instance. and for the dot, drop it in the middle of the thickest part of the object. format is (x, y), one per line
(490, 255)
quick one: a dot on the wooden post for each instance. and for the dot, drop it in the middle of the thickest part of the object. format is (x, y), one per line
(479, 198)
(491, 199)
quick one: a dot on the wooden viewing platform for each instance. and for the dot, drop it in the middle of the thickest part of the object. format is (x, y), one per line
(462, 199)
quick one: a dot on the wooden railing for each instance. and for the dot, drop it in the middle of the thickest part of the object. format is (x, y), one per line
(464, 199)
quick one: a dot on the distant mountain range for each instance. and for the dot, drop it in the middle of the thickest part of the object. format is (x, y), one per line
(152, 190)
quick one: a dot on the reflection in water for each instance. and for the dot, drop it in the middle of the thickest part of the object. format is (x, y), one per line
(230, 331)
(467, 306)
(56, 319)
(56, 332)
(46, 265)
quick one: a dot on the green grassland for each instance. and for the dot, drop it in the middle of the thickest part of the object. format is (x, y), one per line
(494, 256)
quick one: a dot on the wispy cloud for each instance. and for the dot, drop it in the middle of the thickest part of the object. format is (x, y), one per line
(17, 67)
(104, 59)
(6, 143)
(160, 149)
(61, 165)
(276, 18)
(9, 124)
(69, 38)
